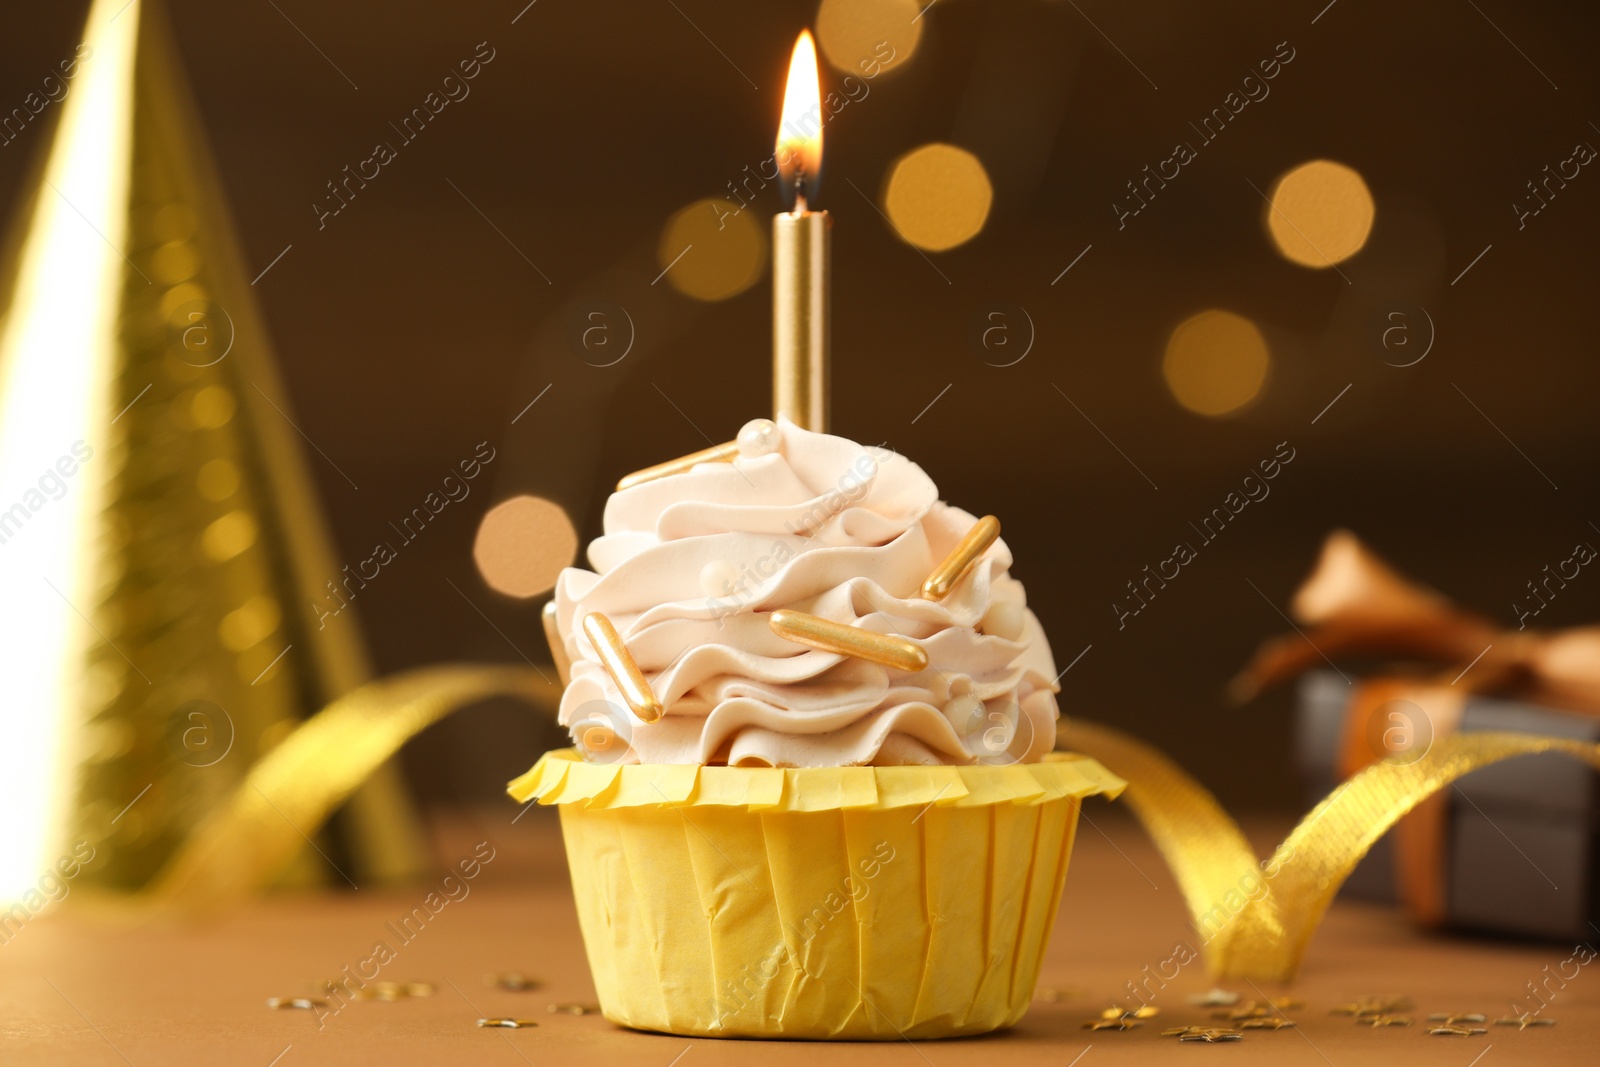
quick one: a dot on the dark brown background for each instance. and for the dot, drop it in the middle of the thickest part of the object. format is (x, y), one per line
(410, 330)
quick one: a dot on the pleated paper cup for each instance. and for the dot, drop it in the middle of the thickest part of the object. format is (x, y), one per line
(850, 903)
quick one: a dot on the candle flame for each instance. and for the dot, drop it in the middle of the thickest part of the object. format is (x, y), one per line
(799, 148)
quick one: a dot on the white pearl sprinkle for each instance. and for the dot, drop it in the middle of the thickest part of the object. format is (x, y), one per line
(758, 437)
(717, 578)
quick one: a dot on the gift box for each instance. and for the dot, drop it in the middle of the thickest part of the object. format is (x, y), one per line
(1517, 848)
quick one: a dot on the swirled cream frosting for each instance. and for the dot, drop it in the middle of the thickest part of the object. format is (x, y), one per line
(691, 565)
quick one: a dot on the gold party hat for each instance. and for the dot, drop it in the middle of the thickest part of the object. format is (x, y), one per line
(161, 549)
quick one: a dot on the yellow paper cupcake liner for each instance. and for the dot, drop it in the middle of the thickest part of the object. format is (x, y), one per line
(847, 903)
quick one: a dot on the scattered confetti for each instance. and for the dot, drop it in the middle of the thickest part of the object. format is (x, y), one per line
(295, 1003)
(1386, 1004)
(1203, 1033)
(508, 1024)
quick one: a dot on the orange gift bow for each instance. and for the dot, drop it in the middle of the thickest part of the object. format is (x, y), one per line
(1356, 605)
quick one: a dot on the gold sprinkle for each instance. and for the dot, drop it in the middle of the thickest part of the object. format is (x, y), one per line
(829, 636)
(509, 1024)
(1457, 1031)
(984, 533)
(1523, 1021)
(1274, 1023)
(723, 453)
(574, 1009)
(1379, 1021)
(623, 670)
(1456, 1018)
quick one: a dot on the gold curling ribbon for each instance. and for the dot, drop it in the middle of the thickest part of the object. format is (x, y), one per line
(289, 793)
(1256, 934)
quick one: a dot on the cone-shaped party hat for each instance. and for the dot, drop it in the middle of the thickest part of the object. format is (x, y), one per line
(161, 550)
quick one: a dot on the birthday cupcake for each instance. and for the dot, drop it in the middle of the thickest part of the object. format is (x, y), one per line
(811, 793)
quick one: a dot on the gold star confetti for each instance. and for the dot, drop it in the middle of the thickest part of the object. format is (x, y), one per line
(1143, 1011)
(1207, 1034)
(1385, 1004)
(1121, 1022)
(574, 1009)
(1456, 1031)
(295, 1003)
(1251, 1009)
(515, 981)
(1456, 1018)
(1523, 1021)
(1276, 1022)
(1214, 998)
(508, 1024)
(1380, 1021)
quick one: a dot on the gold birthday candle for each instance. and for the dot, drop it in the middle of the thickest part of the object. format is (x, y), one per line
(623, 670)
(726, 452)
(984, 533)
(829, 636)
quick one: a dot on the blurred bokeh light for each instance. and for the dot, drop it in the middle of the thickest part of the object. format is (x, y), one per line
(1216, 362)
(853, 32)
(938, 196)
(710, 250)
(523, 544)
(1321, 213)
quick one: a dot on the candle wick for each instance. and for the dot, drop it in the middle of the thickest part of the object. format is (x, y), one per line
(800, 193)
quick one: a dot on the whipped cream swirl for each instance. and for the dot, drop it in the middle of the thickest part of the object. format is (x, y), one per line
(691, 565)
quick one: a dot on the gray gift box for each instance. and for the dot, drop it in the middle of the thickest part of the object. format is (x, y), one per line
(1522, 854)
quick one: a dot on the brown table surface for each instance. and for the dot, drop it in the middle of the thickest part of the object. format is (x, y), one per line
(77, 987)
